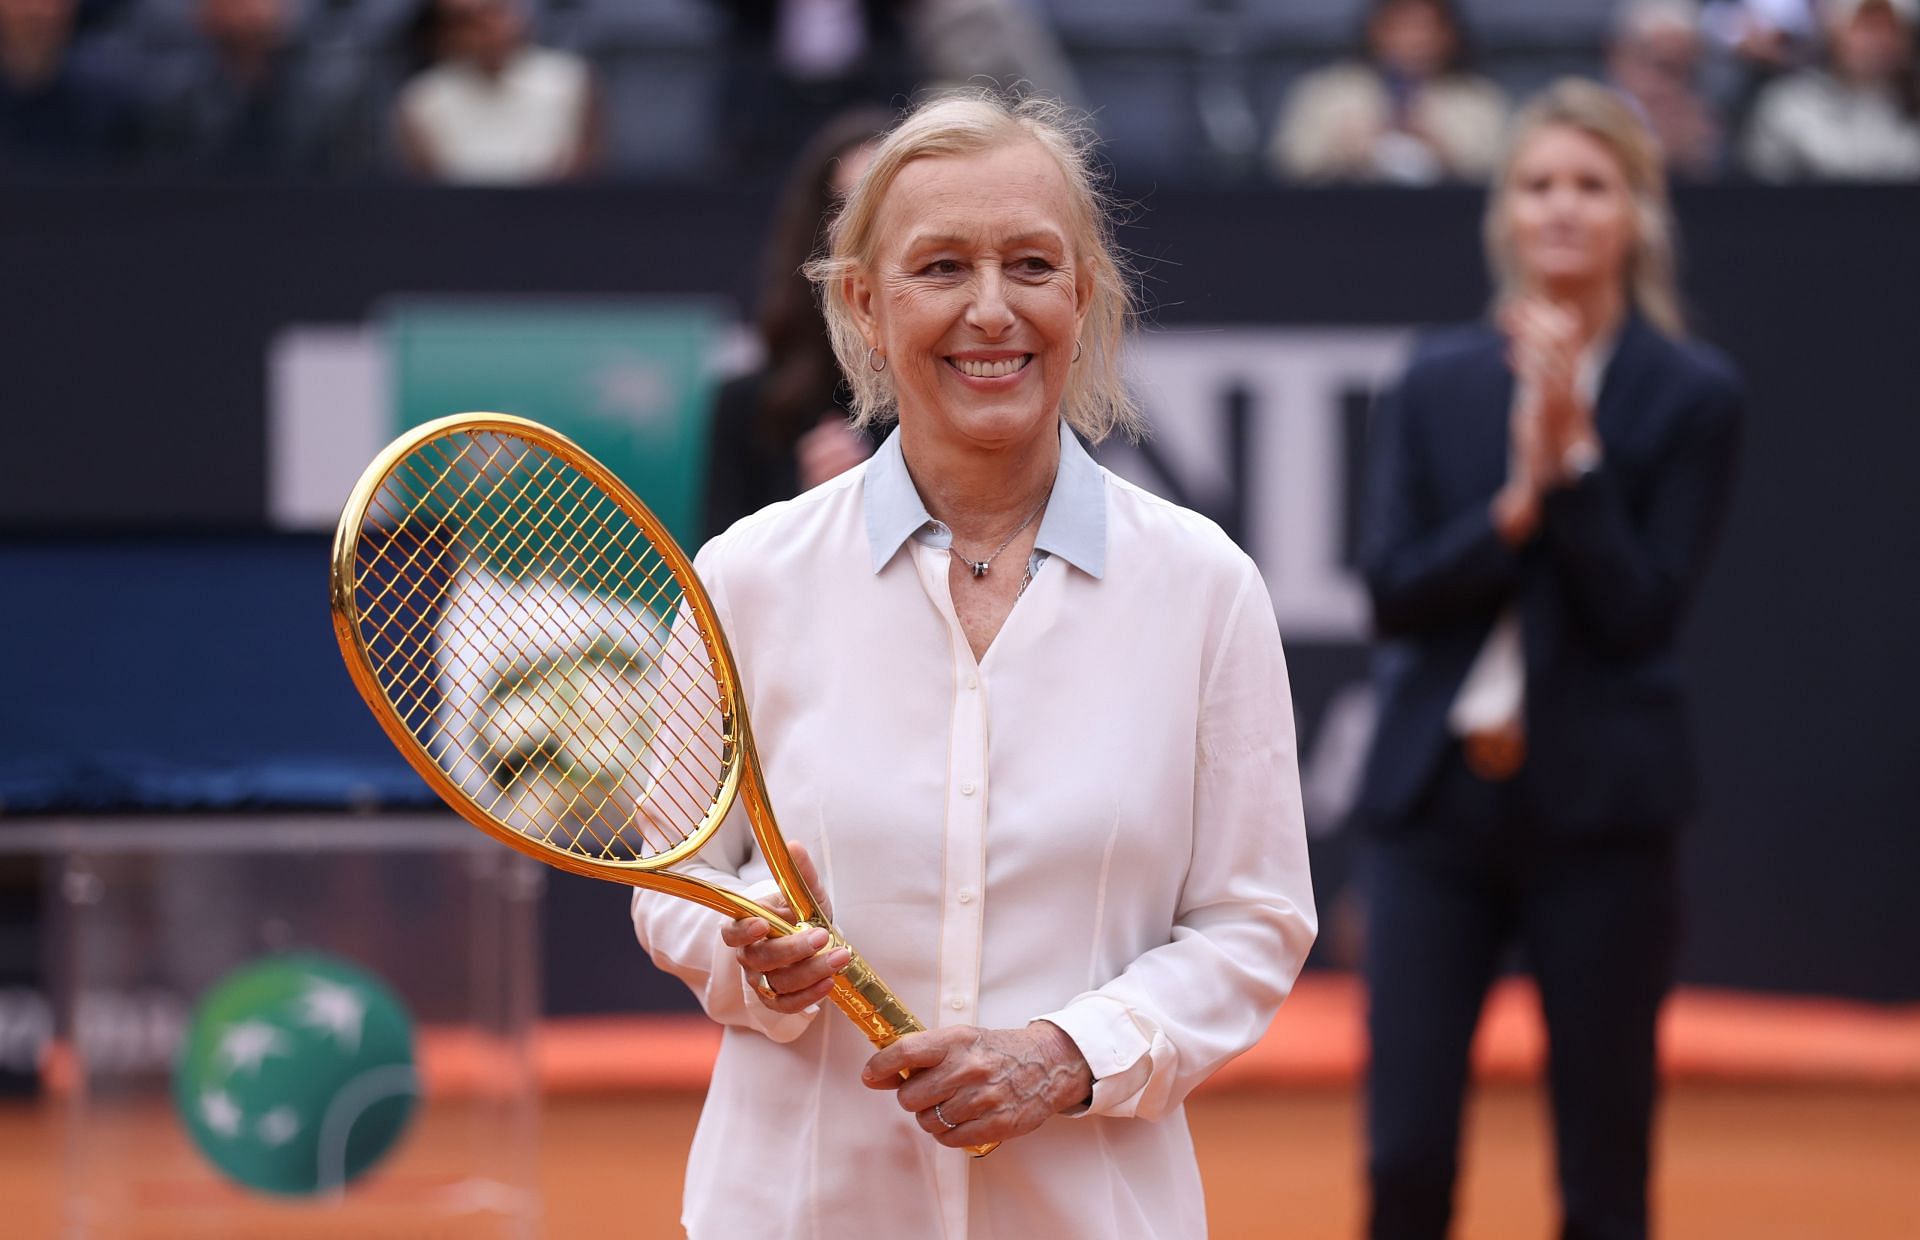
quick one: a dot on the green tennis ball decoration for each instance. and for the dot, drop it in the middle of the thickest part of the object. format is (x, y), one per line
(297, 1074)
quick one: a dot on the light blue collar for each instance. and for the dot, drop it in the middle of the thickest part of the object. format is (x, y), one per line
(1075, 527)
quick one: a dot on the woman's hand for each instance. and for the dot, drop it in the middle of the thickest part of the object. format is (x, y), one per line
(787, 971)
(1544, 348)
(970, 1086)
(1516, 511)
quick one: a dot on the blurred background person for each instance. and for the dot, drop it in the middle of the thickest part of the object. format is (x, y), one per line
(1003, 41)
(1749, 43)
(492, 107)
(1654, 60)
(1856, 117)
(1407, 110)
(1545, 491)
(784, 427)
(62, 104)
(250, 95)
(792, 65)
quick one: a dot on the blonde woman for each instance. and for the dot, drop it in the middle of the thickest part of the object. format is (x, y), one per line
(1546, 491)
(1031, 725)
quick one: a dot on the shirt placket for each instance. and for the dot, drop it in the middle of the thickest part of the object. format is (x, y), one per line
(964, 840)
(963, 843)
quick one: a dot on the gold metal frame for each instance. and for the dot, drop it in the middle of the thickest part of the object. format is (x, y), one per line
(856, 989)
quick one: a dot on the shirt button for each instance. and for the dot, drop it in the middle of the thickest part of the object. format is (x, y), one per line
(957, 1004)
(973, 682)
(965, 895)
(966, 789)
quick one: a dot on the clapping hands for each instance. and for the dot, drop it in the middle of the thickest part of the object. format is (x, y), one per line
(1545, 344)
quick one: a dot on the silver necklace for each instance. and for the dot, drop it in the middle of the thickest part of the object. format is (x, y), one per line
(980, 567)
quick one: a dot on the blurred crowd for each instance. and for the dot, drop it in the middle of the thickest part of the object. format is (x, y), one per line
(531, 91)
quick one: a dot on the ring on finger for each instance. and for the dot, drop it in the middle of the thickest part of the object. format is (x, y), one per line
(941, 1116)
(765, 987)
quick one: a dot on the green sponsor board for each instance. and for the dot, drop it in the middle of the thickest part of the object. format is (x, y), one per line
(297, 1074)
(628, 381)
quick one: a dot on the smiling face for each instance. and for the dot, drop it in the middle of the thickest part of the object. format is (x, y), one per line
(1569, 211)
(974, 294)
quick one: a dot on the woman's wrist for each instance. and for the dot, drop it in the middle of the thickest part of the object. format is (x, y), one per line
(1516, 513)
(1070, 1082)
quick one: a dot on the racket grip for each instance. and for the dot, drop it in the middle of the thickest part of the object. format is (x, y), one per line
(872, 1005)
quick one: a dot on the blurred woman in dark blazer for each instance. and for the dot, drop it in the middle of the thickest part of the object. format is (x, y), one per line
(783, 428)
(1545, 492)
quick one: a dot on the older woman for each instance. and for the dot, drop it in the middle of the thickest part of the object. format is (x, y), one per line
(1547, 489)
(1030, 723)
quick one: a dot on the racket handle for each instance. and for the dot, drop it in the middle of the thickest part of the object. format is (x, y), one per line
(872, 1005)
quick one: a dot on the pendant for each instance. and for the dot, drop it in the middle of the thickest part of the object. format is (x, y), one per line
(979, 567)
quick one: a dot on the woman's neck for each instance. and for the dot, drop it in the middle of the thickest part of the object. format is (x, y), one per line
(1600, 308)
(981, 494)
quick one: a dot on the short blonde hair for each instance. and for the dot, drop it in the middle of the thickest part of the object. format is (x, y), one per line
(1096, 401)
(1603, 116)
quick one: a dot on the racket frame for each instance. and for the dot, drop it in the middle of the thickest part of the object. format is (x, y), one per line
(640, 872)
(857, 990)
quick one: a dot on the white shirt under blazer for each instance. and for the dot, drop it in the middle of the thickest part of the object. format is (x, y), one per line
(1098, 823)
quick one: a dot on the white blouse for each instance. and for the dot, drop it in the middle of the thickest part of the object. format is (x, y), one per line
(1098, 824)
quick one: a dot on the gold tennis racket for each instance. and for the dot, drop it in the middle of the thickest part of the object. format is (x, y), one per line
(538, 647)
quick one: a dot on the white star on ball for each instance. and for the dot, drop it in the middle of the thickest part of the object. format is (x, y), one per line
(220, 1112)
(278, 1126)
(247, 1044)
(340, 1010)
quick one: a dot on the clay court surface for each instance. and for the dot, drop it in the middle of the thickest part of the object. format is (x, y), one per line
(1744, 1162)
(1784, 1119)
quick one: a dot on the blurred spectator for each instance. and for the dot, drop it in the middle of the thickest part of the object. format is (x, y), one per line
(493, 108)
(1003, 41)
(1777, 33)
(250, 97)
(783, 428)
(792, 65)
(61, 104)
(1654, 60)
(1855, 118)
(1408, 112)
(1751, 42)
(1544, 494)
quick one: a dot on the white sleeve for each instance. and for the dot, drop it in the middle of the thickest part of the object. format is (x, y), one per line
(682, 937)
(1245, 919)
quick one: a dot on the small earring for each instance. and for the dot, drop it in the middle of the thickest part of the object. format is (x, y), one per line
(1076, 352)
(882, 364)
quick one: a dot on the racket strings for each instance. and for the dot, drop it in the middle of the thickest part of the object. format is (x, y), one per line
(535, 644)
(519, 808)
(547, 539)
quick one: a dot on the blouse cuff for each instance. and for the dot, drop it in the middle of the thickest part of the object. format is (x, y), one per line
(1115, 1048)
